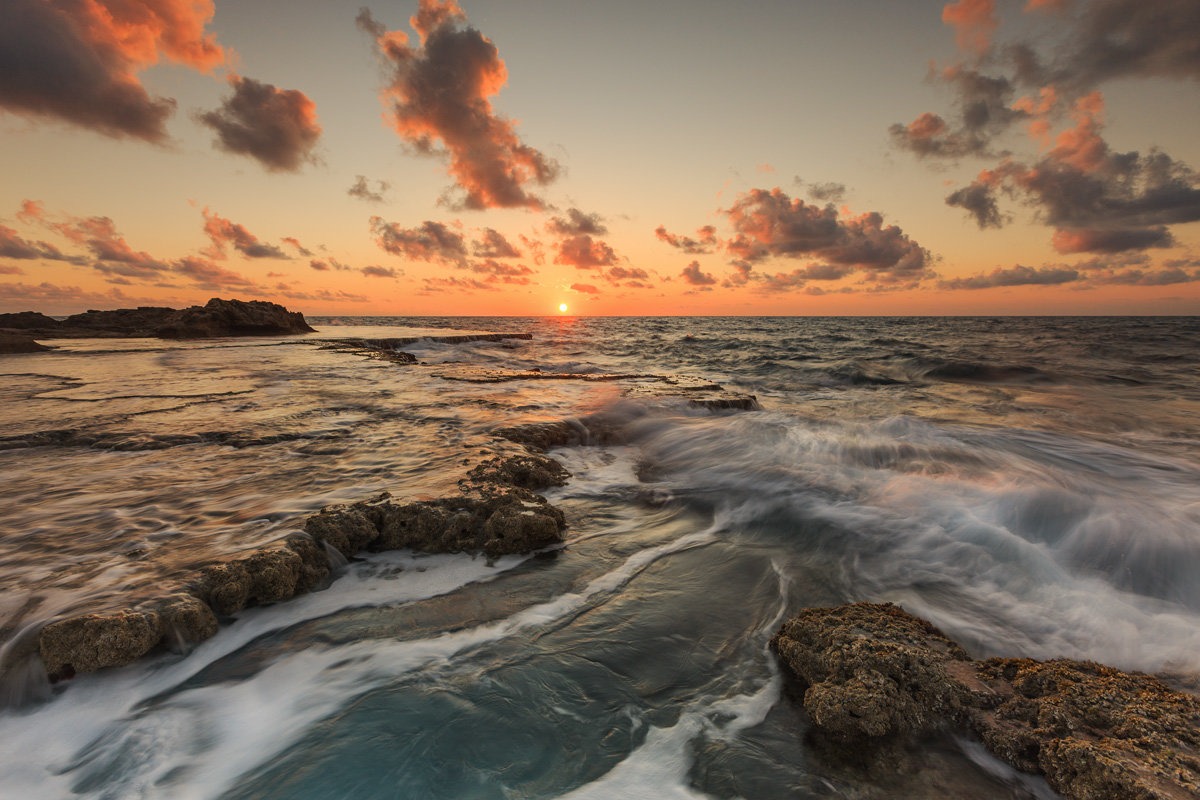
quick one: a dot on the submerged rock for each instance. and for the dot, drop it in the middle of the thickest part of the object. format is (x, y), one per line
(1096, 733)
(533, 471)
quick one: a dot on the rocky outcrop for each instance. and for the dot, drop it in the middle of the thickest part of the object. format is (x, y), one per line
(15, 343)
(1096, 733)
(495, 514)
(216, 318)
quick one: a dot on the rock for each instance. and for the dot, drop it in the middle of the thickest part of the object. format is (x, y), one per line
(16, 343)
(1095, 733)
(215, 318)
(28, 320)
(232, 318)
(93, 641)
(185, 619)
(533, 471)
(544, 435)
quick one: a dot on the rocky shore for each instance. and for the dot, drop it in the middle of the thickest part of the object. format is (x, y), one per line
(215, 318)
(870, 672)
(495, 513)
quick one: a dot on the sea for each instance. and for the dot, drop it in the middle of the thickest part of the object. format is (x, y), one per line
(1030, 485)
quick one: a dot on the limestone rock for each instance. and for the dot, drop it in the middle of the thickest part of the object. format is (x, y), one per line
(28, 320)
(1095, 733)
(93, 641)
(233, 318)
(533, 471)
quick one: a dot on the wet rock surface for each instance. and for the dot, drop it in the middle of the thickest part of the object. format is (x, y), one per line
(496, 513)
(869, 671)
(216, 318)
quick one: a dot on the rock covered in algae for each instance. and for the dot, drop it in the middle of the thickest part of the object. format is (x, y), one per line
(1096, 733)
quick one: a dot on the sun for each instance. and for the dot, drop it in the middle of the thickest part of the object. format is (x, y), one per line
(562, 308)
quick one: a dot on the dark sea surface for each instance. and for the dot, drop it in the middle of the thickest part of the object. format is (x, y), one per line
(1032, 486)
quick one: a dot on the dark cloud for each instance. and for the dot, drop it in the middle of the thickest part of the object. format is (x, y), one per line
(692, 275)
(459, 284)
(431, 241)
(584, 252)
(615, 274)
(77, 61)
(1137, 277)
(769, 224)
(380, 272)
(362, 190)
(278, 127)
(827, 192)
(577, 223)
(294, 242)
(324, 265)
(509, 273)
(1097, 200)
(206, 275)
(438, 100)
(983, 110)
(224, 232)
(494, 245)
(704, 243)
(1018, 275)
(13, 246)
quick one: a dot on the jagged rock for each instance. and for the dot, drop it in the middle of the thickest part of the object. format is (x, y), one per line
(533, 471)
(93, 641)
(184, 618)
(233, 318)
(544, 435)
(1096, 733)
(16, 343)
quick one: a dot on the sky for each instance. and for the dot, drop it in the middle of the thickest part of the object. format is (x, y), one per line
(497, 157)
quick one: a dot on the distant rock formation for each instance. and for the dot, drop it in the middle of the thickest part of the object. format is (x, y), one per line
(869, 671)
(216, 318)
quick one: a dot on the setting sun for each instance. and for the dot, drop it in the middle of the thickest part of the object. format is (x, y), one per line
(562, 307)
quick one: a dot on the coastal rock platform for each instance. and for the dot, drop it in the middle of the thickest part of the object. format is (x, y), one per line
(870, 671)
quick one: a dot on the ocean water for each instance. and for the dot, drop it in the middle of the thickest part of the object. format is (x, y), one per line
(1032, 486)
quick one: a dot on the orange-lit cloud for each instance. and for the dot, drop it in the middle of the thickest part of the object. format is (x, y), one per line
(294, 242)
(224, 232)
(1018, 275)
(769, 224)
(584, 252)
(206, 275)
(438, 99)
(374, 271)
(277, 127)
(1097, 200)
(324, 265)
(78, 61)
(13, 246)
(584, 288)
(576, 223)
(494, 245)
(430, 241)
(974, 22)
(693, 275)
(112, 254)
(8, 269)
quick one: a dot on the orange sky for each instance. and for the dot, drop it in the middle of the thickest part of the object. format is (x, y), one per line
(973, 157)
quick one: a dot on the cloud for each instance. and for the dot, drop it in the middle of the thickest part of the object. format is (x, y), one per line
(438, 101)
(984, 110)
(77, 61)
(494, 245)
(700, 246)
(13, 246)
(692, 275)
(769, 224)
(1097, 200)
(363, 191)
(583, 252)
(112, 254)
(459, 284)
(505, 273)
(51, 297)
(294, 242)
(380, 272)
(615, 274)
(207, 275)
(827, 192)
(577, 223)
(430, 241)
(326, 265)
(1018, 275)
(585, 288)
(1137, 277)
(277, 127)
(8, 269)
(225, 232)
(974, 22)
